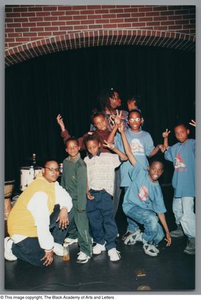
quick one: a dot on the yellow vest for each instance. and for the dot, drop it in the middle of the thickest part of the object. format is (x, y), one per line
(20, 220)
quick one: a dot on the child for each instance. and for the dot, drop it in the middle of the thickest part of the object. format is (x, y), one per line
(110, 102)
(101, 130)
(133, 103)
(182, 154)
(143, 202)
(102, 133)
(100, 173)
(141, 145)
(74, 180)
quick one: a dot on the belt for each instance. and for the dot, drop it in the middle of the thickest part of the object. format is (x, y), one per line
(94, 191)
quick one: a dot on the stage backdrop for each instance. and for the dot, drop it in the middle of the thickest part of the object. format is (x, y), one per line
(69, 83)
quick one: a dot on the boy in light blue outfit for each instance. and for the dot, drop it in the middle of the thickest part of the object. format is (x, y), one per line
(182, 154)
(143, 202)
(141, 145)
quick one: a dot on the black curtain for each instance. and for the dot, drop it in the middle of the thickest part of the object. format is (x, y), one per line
(69, 83)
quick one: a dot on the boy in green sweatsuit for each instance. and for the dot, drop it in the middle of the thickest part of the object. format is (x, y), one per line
(74, 180)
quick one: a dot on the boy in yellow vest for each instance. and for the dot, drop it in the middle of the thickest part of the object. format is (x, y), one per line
(39, 221)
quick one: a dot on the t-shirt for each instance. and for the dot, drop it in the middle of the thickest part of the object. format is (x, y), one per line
(183, 157)
(143, 192)
(100, 171)
(141, 145)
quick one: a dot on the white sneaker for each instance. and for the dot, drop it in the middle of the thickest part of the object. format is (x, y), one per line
(98, 249)
(58, 249)
(150, 250)
(82, 258)
(8, 254)
(133, 238)
(114, 254)
(70, 241)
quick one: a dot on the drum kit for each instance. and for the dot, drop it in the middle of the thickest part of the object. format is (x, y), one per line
(27, 175)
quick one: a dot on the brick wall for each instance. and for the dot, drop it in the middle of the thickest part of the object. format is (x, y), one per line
(35, 30)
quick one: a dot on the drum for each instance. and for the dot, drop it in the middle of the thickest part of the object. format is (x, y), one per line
(27, 175)
(8, 189)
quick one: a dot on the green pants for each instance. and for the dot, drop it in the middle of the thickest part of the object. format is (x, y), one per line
(80, 230)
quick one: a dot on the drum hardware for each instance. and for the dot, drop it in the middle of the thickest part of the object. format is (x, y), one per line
(8, 190)
(27, 175)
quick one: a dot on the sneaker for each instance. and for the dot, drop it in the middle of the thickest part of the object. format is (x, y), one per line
(126, 235)
(150, 250)
(114, 254)
(134, 237)
(82, 258)
(190, 248)
(98, 248)
(178, 233)
(58, 249)
(70, 241)
(8, 254)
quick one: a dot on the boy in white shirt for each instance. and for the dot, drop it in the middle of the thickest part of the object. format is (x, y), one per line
(100, 173)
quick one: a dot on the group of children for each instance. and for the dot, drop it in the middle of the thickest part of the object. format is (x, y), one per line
(118, 141)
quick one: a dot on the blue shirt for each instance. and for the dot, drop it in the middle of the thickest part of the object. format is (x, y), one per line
(183, 157)
(141, 145)
(143, 192)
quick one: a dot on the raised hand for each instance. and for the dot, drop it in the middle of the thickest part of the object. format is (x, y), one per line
(111, 121)
(60, 122)
(108, 145)
(117, 118)
(162, 148)
(193, 123)
(121, 127)
(166, 133)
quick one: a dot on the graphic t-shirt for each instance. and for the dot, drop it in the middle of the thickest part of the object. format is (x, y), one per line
(183, 157)
(143, 192)
(141, 145)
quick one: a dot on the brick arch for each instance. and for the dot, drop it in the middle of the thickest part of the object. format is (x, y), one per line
(75, 40)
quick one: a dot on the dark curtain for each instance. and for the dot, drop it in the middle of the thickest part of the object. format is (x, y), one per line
(69, 83)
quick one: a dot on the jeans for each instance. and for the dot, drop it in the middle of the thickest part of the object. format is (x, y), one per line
(132, 225)
(29, 249)
(183, 209)
(101, 219)
(117, 190)
(153, 232)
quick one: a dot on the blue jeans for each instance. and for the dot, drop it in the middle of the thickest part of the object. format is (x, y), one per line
(153, 232)
(183, 209)
(29, 249)
(101, 219)
(132, 225)
(117, 191)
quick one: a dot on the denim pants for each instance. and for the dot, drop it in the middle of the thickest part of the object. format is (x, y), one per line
(29, 249)
(183, 209)
(101, 219)
(117, 191)
(132, 225)
(153, 232)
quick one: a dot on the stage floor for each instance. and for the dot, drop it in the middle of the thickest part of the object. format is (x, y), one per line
(171, 270)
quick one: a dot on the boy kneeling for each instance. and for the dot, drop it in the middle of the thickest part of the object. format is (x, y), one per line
(143, 202)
